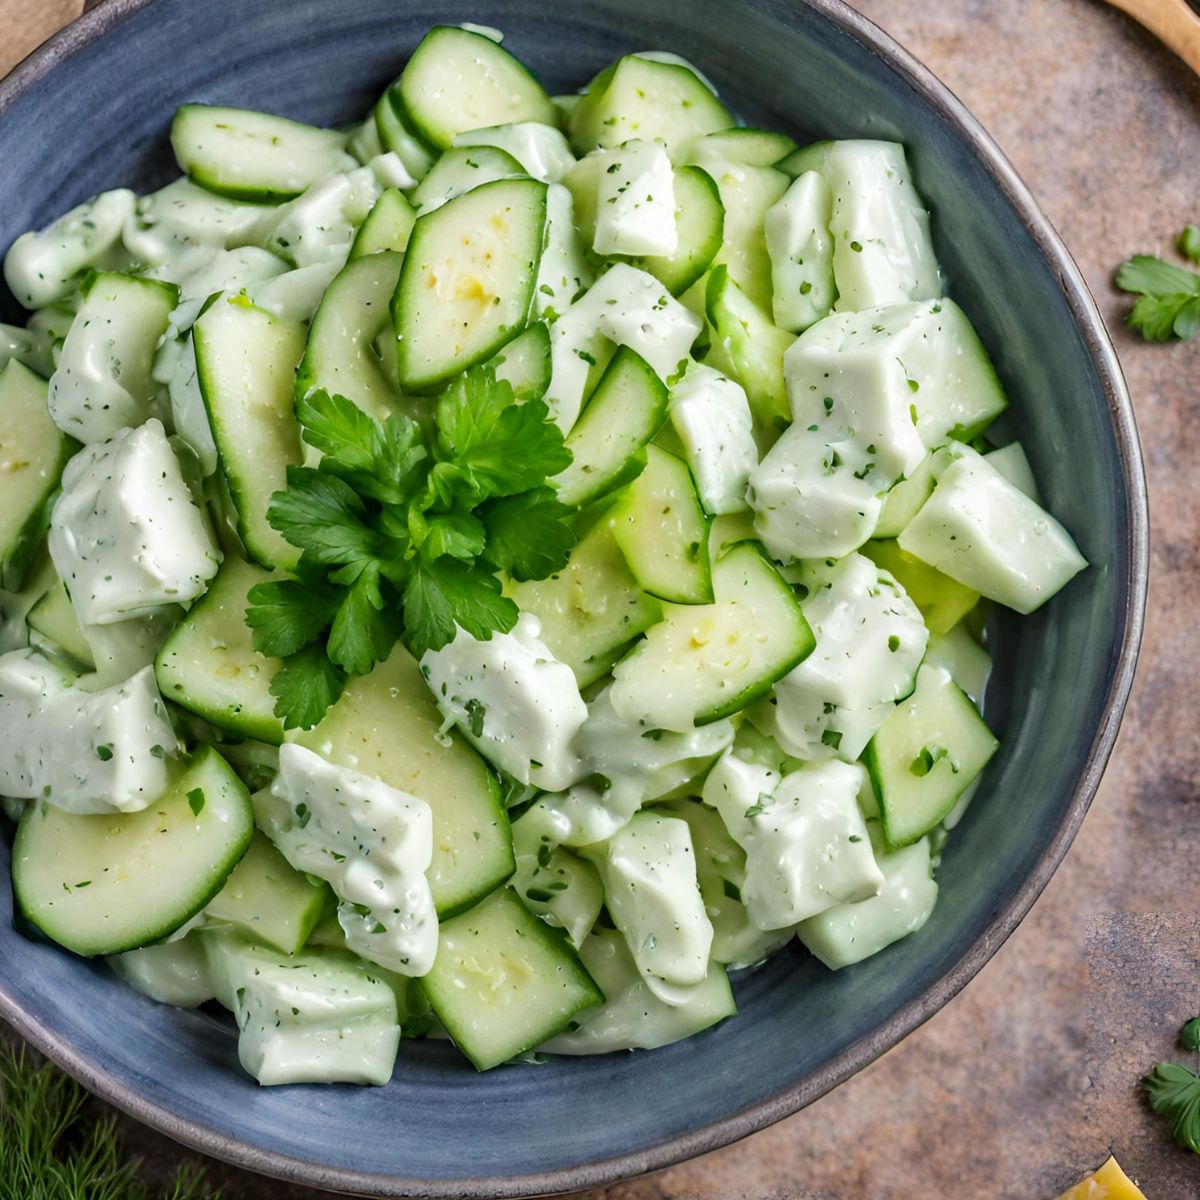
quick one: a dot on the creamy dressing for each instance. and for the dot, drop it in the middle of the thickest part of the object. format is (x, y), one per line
(175, 972)
(542, 150)
(564, 271)
(800, 247)
(372, 843)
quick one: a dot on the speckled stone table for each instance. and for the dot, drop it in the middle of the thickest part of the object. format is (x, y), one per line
(1030, 1077)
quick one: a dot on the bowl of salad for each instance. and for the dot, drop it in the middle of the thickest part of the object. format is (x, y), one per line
(566, 579)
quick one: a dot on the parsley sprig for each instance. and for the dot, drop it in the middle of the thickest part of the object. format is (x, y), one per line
(402, 533)
(1174, 1091)
(1168, 304)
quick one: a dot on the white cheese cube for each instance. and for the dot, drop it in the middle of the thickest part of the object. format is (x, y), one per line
(983, 531)
(126, 535)
(514, 700)
(563, 270)
(801, 251)
(635, 201)
(82, 751)
(372, 843)
(711, 415)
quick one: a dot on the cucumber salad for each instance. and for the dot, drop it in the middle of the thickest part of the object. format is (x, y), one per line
(493, 572)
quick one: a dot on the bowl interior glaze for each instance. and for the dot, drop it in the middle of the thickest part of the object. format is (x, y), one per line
(92, 112)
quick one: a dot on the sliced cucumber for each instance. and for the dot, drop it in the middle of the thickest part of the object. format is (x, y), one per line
(252, 155)
(462, 170)
(396, 135)
(700, 225)
(104, 379)
(541, 149)
(466, 287)
(246, 361)
(387, 227)
(209, 665)
(33, 452)
(748, 347)
(608, 441)
(662, 529)
(903, 501)
(504, 981)
(592, 609)
(472, 846)
(339, 357)
(107, 884)
(943, 601)
(266, 901)
(704, 662)
(458, 80)
(925, 755)
(524, 363)
(54, 618)
(639, 98)
(751, 147)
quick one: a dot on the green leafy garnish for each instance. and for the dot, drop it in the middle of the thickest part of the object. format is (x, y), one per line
(1188, 243)
(1174, 1092)
(1168, 303)
(195, 799)
(1189, 1035)
(403, 531)
(52, 1149)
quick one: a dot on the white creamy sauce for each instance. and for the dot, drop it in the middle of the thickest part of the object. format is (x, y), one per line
(635, 201)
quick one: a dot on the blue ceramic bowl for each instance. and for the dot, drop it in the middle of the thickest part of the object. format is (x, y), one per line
(91, 111)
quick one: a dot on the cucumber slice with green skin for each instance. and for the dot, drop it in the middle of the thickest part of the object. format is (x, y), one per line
(504, 981)
(904, 501)
(608, 441)
(33, 452)
(751, 147)
(700, 225)
(943, 601)
(458, 80)
(466, 287)
(592, 609)
(639, 98)
(807, 158)
(54, 618)
(662, 529)
(252, 155)
(209, 665)
(525, 362)
(339, 357)
(396, 136)
(111, 883)
(750, 349)
(267, 901)
(461, 170)
(702, 663)
(246, 361)
(387, 227)
(925, 755)
(472, 845)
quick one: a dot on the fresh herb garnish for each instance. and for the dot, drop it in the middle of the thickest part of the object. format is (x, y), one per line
(195, 799)
(1188, 243)
(402, 532)
(1174, 1092)
(1168, 303)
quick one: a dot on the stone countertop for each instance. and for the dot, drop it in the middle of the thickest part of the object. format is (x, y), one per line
(1029, 1078)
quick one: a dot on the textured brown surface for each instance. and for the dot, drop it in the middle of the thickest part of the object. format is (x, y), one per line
(1029, 1077)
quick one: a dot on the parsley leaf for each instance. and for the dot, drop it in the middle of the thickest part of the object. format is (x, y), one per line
(1188, 243)
(1168, 303)
(1174, 1092)
(365, 629)
(305, 686)
(457, 534)
(445, 593)
(324, 517)
(527, 535)
(288, 615)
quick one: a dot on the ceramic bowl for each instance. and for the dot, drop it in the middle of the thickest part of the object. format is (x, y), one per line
(91, 111)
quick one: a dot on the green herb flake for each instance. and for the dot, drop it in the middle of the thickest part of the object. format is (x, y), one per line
(195, 799)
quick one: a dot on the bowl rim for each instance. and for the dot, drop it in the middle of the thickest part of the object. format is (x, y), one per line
(108, 14)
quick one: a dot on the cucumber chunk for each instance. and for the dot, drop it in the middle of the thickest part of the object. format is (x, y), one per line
(458, 80)
(903, 501)
(252, 155)
(640, 98)
(388, 225)
(751, 147)
(397, 137)
(472, 846)
(339, 356)
(246, 361)
(33, 452)
(700, 226)
(209, 665)
(467, 283)
(525, 363)
(504, 981)
(925, 755)
(106, 884)
(943, 601)
(704, 662)
(266, 901)
(608, 441)
(54, 618)
(463, 170)
(592, 609)
(662, 529)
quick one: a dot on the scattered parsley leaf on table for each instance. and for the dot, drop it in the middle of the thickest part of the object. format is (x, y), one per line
(1188, 243)
(1168, 303)
(402, 532)
(1174, 1092)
